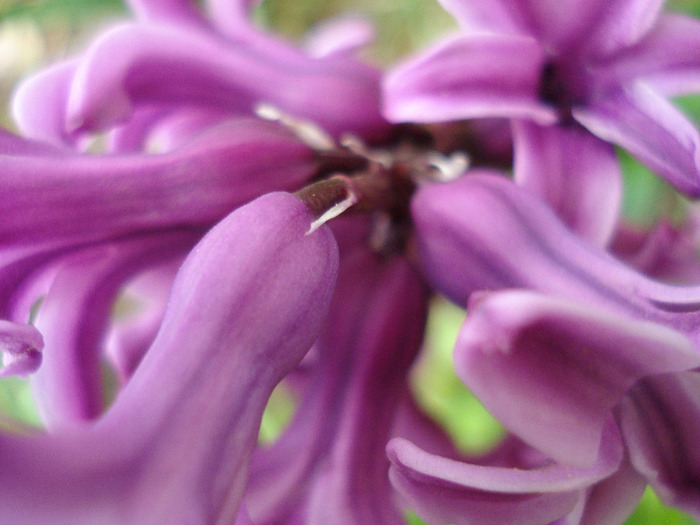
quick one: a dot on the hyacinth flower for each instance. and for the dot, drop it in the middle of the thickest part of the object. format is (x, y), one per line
(330, 465)
(175, 445)
(77, 227)
(575, 77)
(604, 340)
(175, 72)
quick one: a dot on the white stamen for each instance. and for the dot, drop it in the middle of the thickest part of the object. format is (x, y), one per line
(448, 168)
(333, 211)
(308, 132)
(355, 145)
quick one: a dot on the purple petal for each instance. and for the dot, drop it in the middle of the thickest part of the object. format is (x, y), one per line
(620, 24)
(664, 251)
(613, 499)
(483, 232)
(231, 17)
(551, 370)
(668, 57)
(97, 197)
(39, 104)
(339, 36)
(660, 422)
(443, 491)
(562, 25)
(484, 75)
(352, 487)
(238, 320)
(490, 15)
(281, 475)
(334, 448)
(575, 173)
(21, 347)
(74, 316)
(132, 332)
(132, 65)
(172, 11)
(652, 130)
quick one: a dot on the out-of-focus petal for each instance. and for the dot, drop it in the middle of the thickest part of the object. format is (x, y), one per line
(613, 499)
(74, 316)
(661, 425)
(339, 36)
(619, 24)
(473, 76)
(175, 446)
(281, 475)
(352, 486)
(231, 17)
(39, 104)
(665, 251)
(551, 370)
(483, 232)
(132, 65)
(600, 26)
(488, 15)
(21, 346)
(447, 492)
(576, 173)
(172, 11)
(651, 129)
(97, 197)
(334, 447)
(668, 58)
(135, 325)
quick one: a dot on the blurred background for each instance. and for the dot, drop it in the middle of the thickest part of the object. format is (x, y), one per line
(34, 33)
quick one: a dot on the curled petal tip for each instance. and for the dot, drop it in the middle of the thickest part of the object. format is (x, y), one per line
(21, 346)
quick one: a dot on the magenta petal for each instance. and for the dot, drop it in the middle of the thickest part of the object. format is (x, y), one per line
(173, 11)
(96, 197)
(552, 370)
(447, 492)
(652, 130)
(352, 487)
(174, 448)
(490, 15)
(483, 232)
(613, 499)
(132, 65)
(322, 465)
(39, 104)
(231, 17)
(74, 316)
(339, 36)
(621, 25)
(660, 422)
(668, 58)
(576, 173)
(21, 347)
(484, 75)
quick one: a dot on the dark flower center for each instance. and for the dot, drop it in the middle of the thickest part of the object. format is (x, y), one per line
(562, 88)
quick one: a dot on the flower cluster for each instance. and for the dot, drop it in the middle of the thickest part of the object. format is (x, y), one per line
(212, 210)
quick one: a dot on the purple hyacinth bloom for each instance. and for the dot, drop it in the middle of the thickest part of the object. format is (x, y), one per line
(566, 68)
(322, 467)
(485, 233)
(175, 63)
(174, 448)
(78, 227)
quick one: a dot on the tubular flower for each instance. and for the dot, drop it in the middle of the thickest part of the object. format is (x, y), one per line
(174, 68)
(593, 303)
(149, 227)
(175, 445)
(581, 74)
